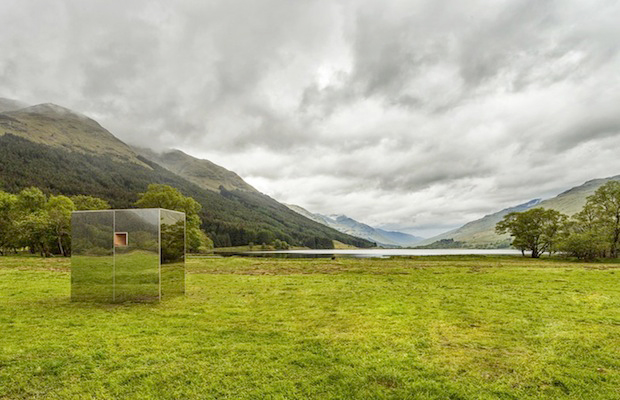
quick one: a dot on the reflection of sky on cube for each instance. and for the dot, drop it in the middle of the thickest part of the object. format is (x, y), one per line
(149, 265)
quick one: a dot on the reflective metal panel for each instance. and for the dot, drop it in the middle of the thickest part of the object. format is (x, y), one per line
(172, 253)
(137, 259)
(92, 256)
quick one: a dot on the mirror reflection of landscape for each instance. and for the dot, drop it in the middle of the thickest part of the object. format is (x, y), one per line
(127, 255)
(92, 259)
(172, 253)
(137, 263)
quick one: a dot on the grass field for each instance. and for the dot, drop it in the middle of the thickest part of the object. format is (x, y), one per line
(429, 327)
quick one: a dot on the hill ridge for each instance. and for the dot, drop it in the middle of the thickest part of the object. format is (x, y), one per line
(202, 172)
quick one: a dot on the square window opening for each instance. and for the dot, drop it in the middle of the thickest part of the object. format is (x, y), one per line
(120, 239)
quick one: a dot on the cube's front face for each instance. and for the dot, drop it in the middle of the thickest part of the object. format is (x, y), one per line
(127, 255)
(136, 268)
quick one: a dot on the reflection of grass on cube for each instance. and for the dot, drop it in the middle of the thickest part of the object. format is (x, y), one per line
(172, 279)
(92, 278)
(136, 276)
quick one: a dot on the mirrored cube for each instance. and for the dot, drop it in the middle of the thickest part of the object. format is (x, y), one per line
(127, 255)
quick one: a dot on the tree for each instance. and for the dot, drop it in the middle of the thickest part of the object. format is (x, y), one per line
(603, 209)
(8, 209)
(164, 196)
(31, 200)
(31, 221)
(585, 239)
(83, 202)
(536, 230)
(34, 231)
(59, 210)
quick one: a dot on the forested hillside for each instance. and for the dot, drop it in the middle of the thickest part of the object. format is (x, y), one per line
(229, 218)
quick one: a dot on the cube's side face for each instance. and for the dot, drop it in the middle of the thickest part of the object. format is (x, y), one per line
(172, 255)
(92, 257)
(136, 238)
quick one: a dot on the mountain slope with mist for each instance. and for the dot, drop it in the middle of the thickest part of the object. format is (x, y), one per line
(481, 232)
(64, 152)
(203, 173)
(350, 226)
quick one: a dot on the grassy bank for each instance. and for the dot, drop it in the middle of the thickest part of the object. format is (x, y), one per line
(430, 327)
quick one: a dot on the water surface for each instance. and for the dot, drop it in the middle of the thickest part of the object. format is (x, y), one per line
(375, 253)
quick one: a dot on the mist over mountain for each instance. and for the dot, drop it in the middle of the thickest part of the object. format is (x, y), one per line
(60, 127)
(10, 105)
(352, 227)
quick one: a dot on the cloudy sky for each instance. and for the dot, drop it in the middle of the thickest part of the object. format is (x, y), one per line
(416, 115)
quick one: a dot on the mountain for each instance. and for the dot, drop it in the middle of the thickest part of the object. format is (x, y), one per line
(203, 173)
(352, 227)
(572, 201)
(481, 232)
(10, 105)
(64, 152)
(401, 238)
(63, 128)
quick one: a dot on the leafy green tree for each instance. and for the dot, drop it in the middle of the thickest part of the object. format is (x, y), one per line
(34, 231)
(603, 210)
(31, 221)
(265, 236)
(280, 245)
(31, 200)
(8, 210)
(59, 210)
(83, 202)
(585, 239)
(583, 245)
(164, 196)
(536, 230)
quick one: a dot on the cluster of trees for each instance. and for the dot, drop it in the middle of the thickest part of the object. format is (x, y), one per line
(42, 224)
(592, 233)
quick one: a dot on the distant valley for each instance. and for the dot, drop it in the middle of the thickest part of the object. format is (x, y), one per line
(352, 227)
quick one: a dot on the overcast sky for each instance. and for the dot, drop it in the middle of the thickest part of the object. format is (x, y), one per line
(415, 115)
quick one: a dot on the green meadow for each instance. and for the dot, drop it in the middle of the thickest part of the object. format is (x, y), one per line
(254, 328)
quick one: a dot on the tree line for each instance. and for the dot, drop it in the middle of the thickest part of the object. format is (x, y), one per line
(42, 224)
(592, 233)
